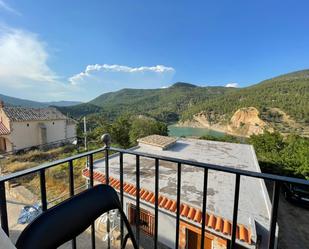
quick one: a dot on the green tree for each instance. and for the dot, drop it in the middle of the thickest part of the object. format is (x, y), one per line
(119, 130)
(142, 127)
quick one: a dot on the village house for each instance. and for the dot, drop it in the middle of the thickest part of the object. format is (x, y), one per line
(254, 203)
(22, 128)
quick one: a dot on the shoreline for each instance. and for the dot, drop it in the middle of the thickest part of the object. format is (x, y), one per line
(218, 128)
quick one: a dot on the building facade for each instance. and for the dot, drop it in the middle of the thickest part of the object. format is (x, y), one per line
(254, 203)
(22, 128)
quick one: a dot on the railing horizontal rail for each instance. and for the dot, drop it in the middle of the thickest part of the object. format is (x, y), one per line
(227, 169)
(35, 169)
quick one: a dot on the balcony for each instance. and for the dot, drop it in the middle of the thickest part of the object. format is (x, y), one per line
(162, 207)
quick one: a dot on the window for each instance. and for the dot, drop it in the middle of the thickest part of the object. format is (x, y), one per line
(53, 123)
(146, 219)
(27, 125)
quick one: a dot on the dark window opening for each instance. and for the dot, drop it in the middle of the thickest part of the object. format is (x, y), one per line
(27, 125)
(53, 123)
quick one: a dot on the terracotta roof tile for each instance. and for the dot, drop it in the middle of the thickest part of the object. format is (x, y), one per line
(173, 206)
(243, 233)
(226, 227)
(185, 210)
(198, 216)
(211, 221)
(168, 204)
(149, 196)
(216, 223)
(219, 224)
(163, 201)
(191, 213)
(152, 199)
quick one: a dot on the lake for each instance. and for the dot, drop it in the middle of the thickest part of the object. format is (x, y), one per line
(176, 131)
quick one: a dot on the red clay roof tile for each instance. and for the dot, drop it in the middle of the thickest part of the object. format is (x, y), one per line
(185, 210)
(211, 221)
(191, 213)
(226, 227)
(173, 206)
(219, 224)
(198, 216)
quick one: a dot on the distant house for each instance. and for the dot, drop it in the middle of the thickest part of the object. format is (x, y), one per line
(254, 203)
(22, 128)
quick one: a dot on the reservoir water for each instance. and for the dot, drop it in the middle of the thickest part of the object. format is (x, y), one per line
(176, 131)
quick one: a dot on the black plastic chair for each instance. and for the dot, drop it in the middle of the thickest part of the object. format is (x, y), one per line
(70, 218)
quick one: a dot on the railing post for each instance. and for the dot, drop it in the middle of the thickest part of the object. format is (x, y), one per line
(137, 216)
(71, 187)
(43, 190)
(235, 211)
(91, 182)
(106, 139)
(121, 194)
(3, 209)
(204, 207)
(274, 214)
(178, 204)
(156, 202)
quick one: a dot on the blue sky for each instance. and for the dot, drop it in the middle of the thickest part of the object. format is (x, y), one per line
(76, 50)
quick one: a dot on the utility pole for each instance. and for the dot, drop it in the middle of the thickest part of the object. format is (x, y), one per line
(85, 133)
(86, 147)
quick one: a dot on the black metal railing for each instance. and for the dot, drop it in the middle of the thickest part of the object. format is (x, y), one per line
(276, 179)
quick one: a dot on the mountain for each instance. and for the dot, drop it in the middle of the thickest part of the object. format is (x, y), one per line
(34, 104)
(289, 93)
(21, 102)
(281, 102)
(62, 103)
(165, 104)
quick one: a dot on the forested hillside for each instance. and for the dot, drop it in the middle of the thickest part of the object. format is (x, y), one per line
(166, 104)
(288, 92)
(280, 101)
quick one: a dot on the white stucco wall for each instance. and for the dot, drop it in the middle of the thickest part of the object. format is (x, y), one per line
(23, 136)
(71, 131)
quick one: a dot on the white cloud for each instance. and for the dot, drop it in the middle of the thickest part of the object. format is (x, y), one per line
(25, 73)
(23, 57)
(232, 85)
(5, 6)
(113, 77)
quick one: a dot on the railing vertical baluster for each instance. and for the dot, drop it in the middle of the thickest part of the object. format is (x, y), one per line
(156, 202)
(107, 182)
(90, 164)
(235, 211)
(91, 182)
(274, 214)
(121, 194)
(178, 204)
(107, 166)
(43, 189)
(71, 187)
(137, 218)
(204, 207)
(3, 209)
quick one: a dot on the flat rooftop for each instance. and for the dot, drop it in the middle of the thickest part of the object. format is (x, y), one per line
(254, 203)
